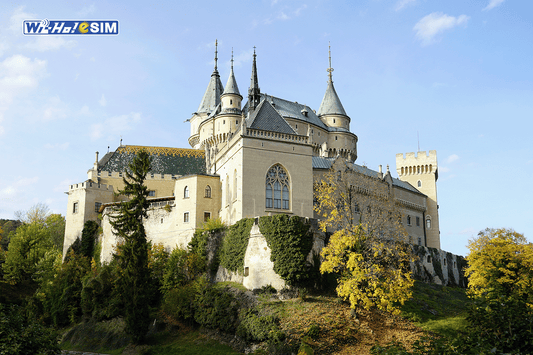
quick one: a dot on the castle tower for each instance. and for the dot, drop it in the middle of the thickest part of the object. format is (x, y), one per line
(210, 101)
(231, 97)
(421, 171)
(254, 93)
(331, 112)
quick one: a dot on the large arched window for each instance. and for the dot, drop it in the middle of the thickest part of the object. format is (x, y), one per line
(186, 192)
(277, 188)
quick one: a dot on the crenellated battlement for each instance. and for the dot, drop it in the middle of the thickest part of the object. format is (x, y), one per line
(416, 163)
(90, 185)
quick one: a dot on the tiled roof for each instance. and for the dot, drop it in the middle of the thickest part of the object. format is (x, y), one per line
(331, 104)
(177, 161)
(231, 85)
(289, 109)
(266, 117)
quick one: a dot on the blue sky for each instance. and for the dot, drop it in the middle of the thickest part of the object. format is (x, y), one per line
(456, 73)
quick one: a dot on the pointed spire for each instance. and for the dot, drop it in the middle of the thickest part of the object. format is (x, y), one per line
(254, 92)
(331, 104)
(231, 85)
(212, 94)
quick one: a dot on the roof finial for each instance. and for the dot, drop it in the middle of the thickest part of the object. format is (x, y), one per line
(330, 69)
(231, 58)
(216, 53)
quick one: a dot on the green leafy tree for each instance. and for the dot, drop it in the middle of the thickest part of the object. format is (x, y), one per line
(500, 280)
(20, 335)
(55, 223)
(127, 223)
(26, 248)
(367, 249)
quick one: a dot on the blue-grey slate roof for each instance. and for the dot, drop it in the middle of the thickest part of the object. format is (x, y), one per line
(331, 104)
(325, 163)
(212, 94)
(231, 85)
(266, 117)
(289, 109)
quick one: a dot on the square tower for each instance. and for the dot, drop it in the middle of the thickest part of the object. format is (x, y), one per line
(421, 171)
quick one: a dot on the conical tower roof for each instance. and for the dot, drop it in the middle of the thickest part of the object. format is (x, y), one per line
(212, 94)
(331, 104)
(231, 85)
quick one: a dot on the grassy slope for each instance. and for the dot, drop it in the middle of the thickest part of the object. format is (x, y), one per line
(433, 308)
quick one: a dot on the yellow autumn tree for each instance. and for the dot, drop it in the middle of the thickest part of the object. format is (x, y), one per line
(367, 248)
(500, 281)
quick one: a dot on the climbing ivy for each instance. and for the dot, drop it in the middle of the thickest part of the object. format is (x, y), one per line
(234, 245)
(290, 242)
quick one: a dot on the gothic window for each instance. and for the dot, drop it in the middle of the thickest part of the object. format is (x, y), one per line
(208, 191)
(277, 188)
(235, 185)
(428, 223)
(186, 192)
(419, 183)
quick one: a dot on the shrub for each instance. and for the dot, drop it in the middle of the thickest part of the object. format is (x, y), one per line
(257, 328)
(234, 245)
(216, 308)
(179, 302)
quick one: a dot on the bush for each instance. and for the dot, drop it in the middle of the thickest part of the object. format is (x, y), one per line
(234, 245)
(179, 302)
(20, 335)
(257, 328)
(216, 308)
(100, 298)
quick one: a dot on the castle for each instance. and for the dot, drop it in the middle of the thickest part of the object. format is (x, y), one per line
(250, 160)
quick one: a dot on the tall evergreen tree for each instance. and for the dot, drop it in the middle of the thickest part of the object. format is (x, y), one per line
(133, 254)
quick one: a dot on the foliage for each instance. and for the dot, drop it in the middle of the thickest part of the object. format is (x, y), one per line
(128, 225)
(88, 237)
(26, 248)
(214, 225)
(216, 308)
(181, 268)
(374, 272)
(37, 213)
(7, 230)
(500, 274)
(367, 248)
(100, 296)
(255, 327)
(234, 245)
(178, 302)
(55, 223)
(290, 242)
(59, 300)
(20, 335)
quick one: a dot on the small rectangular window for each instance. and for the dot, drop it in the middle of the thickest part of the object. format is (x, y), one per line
(418, 221)
(151, 193)
(246, 271)
(97, 206)
(207, 216)
(109, 173)
(75, 207)
(186, 217)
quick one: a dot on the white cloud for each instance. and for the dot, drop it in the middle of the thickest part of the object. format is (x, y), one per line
(470, 231)
(115, 125)
(2, 130)
(300, 9)
(85, 110)
(15, 22)
(50, 43)
(54, 109)
(87, 10)
(403, 3)
(15, 191)
(452, 158)
(63, 185)
(243, 57)
(283, 16)
(102, 101)
(19, 75)
(435, 23)
(492, 4)
(443, 169)
(57, 146)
